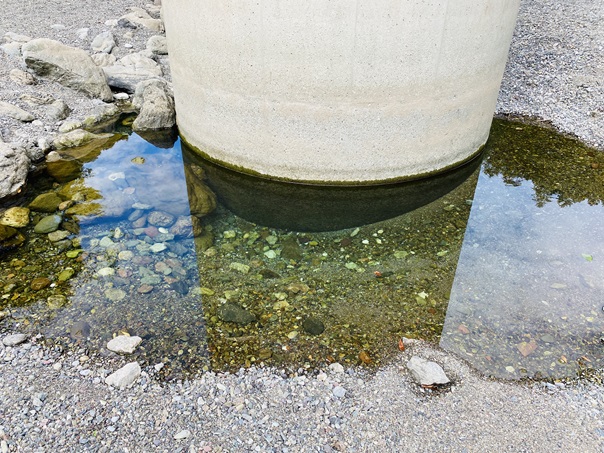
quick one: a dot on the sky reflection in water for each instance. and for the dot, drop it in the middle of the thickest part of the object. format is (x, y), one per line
(526, 299)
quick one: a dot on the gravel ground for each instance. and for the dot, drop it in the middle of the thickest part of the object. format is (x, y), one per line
(58, 402)
(555, 70)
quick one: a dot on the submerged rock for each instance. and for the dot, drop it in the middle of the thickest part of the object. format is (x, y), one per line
(66, 65)
(124, 344)
(313, 326)
(6, 232)
(182, 227)
(61, 168)
(10, 238)
(46, 202)
(291, 249)
(202, 200)
(231, 312)
(39, 283)
(79, 330)
(58, 235)
(115, 294)
(15, 217)
(48, 224)
(160, 219)
(56, 302)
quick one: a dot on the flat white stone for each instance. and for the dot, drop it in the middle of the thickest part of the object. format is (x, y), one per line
(125, 376)
(106, 271)
(124, 344)
(336, 368)
(182, 434)
(159, 247)
(125, 255)
(14, 339)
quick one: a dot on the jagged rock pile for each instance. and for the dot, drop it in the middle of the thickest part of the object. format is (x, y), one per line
(106, 73)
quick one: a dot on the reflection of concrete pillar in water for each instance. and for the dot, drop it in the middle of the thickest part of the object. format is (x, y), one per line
(337, 91)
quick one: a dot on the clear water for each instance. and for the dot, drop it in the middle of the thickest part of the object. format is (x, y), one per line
(504, 270)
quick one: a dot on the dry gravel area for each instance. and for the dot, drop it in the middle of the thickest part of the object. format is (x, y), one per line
(52, 401)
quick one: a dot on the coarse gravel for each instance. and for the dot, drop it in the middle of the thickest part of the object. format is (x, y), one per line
(58, 401)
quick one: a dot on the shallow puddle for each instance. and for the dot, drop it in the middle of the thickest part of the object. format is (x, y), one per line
(505, 269)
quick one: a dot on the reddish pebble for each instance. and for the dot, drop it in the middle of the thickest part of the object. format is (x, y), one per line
(124, 273)
(40, 283)
(463, 329)
(345, 242)
(144, 289)
(151, 231)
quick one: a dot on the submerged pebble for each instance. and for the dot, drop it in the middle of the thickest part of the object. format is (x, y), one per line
(48, 224)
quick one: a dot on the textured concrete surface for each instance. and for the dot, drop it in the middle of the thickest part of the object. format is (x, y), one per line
(334, 90)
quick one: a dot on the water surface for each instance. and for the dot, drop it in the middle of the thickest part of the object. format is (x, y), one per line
(504, 270)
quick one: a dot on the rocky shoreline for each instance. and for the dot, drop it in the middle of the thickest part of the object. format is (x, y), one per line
(54, 400)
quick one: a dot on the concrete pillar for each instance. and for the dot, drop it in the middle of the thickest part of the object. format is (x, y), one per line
(338, 91)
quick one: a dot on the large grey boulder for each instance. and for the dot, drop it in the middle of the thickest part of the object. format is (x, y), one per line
(130, 70)
(14, 165)
(156, 103)
(66, 65)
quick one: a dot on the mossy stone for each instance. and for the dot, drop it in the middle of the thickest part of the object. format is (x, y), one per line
(313, 326)
(231, 312)
(46, 202)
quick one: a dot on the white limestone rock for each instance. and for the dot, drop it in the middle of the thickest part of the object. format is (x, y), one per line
(125, 376)
(427, 373)
(14, 339)
(124, 344)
